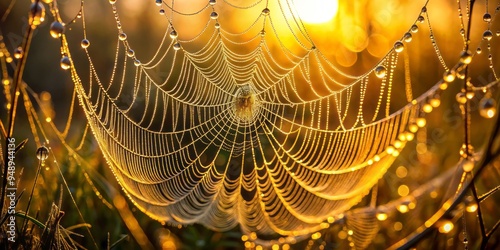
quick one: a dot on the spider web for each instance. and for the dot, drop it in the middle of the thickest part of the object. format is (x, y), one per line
(233, 126)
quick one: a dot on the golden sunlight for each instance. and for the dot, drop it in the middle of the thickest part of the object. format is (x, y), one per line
(316, 11)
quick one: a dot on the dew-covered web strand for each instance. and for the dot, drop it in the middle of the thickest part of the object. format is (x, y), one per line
(283, 131)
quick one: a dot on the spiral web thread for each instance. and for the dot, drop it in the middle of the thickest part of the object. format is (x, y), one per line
(246, 129)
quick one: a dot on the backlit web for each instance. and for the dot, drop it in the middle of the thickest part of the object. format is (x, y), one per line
(239, 118)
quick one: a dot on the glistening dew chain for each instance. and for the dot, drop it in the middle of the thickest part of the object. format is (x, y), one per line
(251, 124)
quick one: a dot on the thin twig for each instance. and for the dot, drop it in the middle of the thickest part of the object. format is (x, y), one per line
(488, 194)
(493, 229)
(7, 12)
(479, 215)
(123, 237)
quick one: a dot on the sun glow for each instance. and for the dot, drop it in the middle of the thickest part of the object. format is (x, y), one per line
(316, 11)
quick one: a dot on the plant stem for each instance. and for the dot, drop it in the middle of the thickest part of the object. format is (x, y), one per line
(466, 86)
(18, 75)
(31, 194)
(32, 219)
(479, 215)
